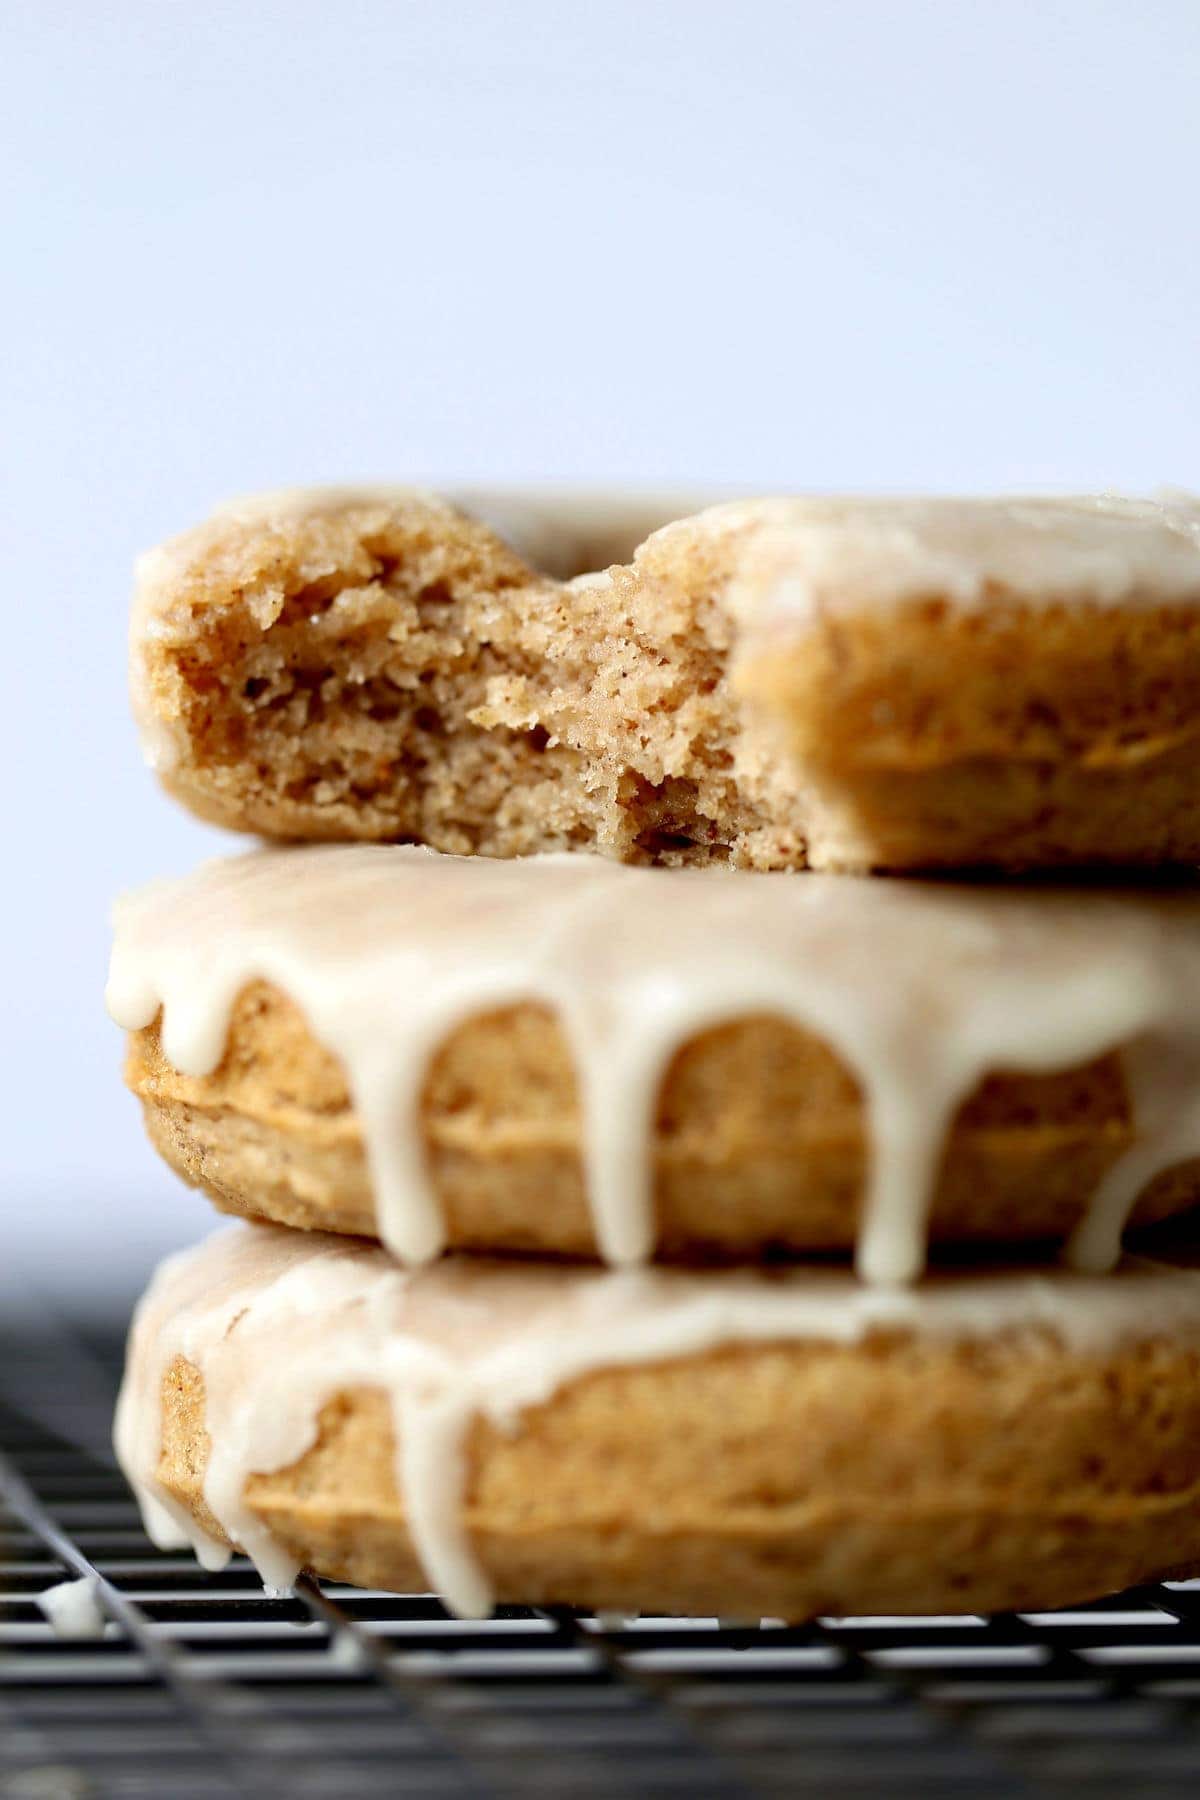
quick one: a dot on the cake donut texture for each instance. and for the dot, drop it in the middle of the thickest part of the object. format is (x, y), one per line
(580, 1057)
(844, 684)
(735, 1442)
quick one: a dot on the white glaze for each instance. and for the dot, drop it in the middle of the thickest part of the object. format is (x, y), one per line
(73, 1609)
(809, 556)
(348, 1654)
(277, 1322)
(921, 989)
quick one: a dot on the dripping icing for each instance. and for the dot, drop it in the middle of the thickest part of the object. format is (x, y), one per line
(277, 1322)
(922, 989)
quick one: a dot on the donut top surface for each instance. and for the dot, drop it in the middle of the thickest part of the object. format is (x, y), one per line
(278, 1322)
(804, 553)
(813, 555)
(922, 989)
(561, 532)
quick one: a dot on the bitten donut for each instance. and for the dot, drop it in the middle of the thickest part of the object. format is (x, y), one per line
(781, 1444)
(844, 684)
(580, 1057)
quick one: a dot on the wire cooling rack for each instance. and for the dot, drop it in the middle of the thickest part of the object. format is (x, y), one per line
(202, 1688)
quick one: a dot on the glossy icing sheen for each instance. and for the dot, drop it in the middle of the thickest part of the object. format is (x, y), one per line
(921, 989)
(816, 555)
(277, 1322)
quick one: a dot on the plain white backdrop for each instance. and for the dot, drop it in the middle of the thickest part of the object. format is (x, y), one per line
(822, 243)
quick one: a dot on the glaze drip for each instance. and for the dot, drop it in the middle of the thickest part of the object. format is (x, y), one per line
(277, 1322)
(922, 989)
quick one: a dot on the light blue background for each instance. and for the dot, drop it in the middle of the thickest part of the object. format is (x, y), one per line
(939, 245)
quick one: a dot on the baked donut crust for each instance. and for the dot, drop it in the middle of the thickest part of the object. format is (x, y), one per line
(1003, 685)
(901, 1473)
(760, 1140)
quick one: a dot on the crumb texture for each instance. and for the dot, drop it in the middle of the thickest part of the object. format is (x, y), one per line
(392, 670)
(397, 672)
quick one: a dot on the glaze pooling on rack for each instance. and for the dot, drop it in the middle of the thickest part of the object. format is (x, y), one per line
(922, 989)
(277, 1322)
(73, 1609)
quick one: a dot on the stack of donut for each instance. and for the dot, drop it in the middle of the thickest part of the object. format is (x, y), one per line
(708, 1070)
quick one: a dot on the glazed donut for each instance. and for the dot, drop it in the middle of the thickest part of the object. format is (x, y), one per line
(578, 1057)
(839, 684)
(736, 1442)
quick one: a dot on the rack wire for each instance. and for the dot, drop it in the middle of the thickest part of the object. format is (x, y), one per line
(203, 1688)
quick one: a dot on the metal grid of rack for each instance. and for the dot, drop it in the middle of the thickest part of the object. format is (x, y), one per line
(203, 1687)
